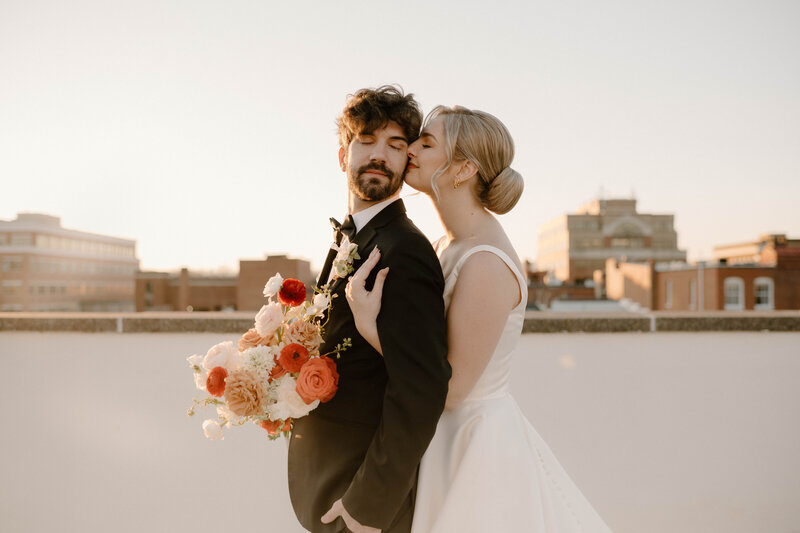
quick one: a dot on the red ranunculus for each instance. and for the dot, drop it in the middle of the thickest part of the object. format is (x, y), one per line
(293, 357)
(215, 384)
(292, 293)
(274, 427)
(318, 380)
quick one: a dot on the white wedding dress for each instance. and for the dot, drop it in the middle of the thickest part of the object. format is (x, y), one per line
(487, 470)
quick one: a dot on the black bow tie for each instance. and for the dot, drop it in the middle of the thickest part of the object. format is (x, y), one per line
(348, 228)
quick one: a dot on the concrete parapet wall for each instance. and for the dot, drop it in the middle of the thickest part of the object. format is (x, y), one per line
(535, 322)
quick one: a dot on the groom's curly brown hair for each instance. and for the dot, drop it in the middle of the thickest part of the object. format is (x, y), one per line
(370, 109)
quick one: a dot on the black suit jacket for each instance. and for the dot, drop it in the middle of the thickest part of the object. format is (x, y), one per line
(365, 444)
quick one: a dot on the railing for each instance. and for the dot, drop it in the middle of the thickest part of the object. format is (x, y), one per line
(535, 322)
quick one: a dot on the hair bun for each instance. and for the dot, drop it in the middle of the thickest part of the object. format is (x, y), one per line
(504, 191)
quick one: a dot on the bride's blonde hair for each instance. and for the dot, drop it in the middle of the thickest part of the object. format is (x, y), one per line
(479, 137)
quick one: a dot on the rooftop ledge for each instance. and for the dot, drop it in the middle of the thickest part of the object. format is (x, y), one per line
(535, 322)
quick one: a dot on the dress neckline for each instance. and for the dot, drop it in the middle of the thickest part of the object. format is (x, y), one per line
(523, 286)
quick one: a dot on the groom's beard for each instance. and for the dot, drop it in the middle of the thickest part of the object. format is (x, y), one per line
(371, 189)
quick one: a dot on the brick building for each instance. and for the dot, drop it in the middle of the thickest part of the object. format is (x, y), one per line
(571, 247)
(759, 275)
(46, 267)
(163, 291)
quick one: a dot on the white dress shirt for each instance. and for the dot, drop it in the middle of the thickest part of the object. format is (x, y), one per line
(361, 218)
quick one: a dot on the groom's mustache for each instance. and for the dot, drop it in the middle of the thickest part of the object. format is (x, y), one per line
(375, 165)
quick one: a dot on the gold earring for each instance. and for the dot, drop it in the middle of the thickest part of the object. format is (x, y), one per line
(456, 184)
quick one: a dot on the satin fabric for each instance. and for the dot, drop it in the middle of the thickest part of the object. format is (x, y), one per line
(487, 469)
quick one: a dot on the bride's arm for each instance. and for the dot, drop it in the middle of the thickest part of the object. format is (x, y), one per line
(366, 305)
(484, 294)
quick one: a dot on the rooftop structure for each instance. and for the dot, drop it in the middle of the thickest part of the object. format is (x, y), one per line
(573, 246)
(762, 275)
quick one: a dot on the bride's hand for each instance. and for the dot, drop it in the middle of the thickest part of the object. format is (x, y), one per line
(365, 304)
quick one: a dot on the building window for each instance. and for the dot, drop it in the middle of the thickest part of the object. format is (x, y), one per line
(668, 295)
(734, 294)
(12, 287)
(21, 239)
(12, 264)
(692, 294)
(765, 293)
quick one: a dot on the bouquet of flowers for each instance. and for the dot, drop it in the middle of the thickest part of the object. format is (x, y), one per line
(274, 373)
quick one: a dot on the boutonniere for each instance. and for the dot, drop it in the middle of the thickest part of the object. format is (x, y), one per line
(347, 253)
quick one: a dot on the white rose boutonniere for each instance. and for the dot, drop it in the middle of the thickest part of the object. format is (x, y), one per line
(343, 263)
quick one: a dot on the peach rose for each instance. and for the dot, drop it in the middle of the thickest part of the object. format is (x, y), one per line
(251, 339)
(305, 333)
(244, 392)
(318, 380)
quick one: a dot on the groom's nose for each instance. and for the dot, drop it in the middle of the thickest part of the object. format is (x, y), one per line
(378, 152)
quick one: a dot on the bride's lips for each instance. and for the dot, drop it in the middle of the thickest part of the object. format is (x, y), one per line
(411, 166)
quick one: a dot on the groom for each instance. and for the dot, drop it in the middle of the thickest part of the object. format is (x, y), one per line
(353, 461)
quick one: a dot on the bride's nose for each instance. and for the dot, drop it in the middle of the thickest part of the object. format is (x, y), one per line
(412, 149)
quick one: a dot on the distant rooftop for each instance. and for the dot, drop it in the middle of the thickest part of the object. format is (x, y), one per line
(51, 225)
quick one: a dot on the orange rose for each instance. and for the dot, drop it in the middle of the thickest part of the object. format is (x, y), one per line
(318, 380)
(293, 357)
(274, 427)
(215, 384)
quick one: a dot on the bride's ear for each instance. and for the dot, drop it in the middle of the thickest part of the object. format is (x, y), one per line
(465, 171)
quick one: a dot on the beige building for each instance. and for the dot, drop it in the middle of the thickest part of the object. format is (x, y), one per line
(571, 247)
(46, 267)
(763, 251)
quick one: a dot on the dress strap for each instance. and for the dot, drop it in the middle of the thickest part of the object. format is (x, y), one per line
(523, 284)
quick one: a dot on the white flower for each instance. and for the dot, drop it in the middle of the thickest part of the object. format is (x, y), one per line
(289, 404)
(195, 361)
(268, 319)
(319, 305)
(200, 374)
(200, 379)
(293, 313)
(343, 263)
(227, 414)
(273, 285)
(224, 354)
(213, 430)
(260, 359)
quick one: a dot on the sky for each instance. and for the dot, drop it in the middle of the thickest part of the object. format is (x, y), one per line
(205, 130)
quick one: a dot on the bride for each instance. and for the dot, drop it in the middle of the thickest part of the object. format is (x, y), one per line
(486, 469)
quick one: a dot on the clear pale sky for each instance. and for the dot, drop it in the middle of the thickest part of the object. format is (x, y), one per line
(205, 129)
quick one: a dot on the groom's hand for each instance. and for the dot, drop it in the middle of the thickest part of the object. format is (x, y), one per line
(337, 509)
